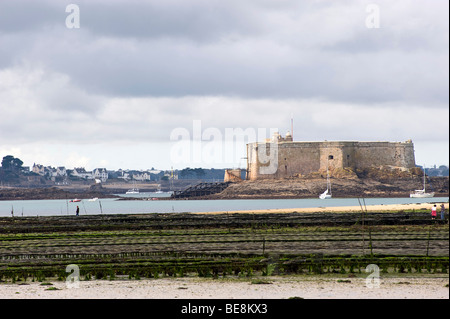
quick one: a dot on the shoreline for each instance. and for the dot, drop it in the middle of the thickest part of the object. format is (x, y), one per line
(379, 208)
(340, 209)
(87, 196)
(283, 189)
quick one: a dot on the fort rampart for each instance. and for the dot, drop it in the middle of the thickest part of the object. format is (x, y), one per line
(281, 158)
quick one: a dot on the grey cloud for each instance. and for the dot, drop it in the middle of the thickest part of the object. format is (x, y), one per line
(196, 20)
(136, 70)
(178, 69)
(268, 49)
(264, 50)
(23, 16)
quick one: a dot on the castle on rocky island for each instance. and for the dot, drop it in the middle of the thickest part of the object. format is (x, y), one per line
(281, 157)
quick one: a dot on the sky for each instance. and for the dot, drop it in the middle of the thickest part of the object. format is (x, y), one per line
(187, 83)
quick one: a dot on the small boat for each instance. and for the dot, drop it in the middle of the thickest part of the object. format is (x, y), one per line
(76, 200)
(422, 193)
(132, 191)
(93, 199)
(327, 194)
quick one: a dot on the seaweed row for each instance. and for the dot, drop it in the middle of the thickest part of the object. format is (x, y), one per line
(231, 266)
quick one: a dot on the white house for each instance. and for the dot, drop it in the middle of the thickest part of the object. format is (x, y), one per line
(141, 176)
(82, 173)
(123, 174)
(61, 171)
(101, 174)
(49, 171)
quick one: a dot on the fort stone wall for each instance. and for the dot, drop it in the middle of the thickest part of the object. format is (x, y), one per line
(287, 158)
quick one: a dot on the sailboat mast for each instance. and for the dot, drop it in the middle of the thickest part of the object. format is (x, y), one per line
(330, 185)
(328, 180)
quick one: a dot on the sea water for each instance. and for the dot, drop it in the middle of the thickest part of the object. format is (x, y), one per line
(115, 206)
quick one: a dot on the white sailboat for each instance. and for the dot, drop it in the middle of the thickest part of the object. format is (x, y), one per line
(327, 194)
(422, 193)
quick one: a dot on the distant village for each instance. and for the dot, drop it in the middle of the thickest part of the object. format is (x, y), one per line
(12, 171)
(61, 174)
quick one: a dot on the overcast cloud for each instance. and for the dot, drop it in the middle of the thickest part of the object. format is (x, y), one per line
(111, 92)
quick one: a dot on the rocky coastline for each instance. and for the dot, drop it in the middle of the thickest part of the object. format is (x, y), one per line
(265, 189)
(340, 187)
(13, 193)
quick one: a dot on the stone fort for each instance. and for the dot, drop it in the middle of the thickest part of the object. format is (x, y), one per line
(281, 157)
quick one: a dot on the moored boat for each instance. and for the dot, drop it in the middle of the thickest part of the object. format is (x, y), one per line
(422, 193)
(327, 194)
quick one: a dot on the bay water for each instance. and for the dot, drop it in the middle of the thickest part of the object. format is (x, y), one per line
(62, 207)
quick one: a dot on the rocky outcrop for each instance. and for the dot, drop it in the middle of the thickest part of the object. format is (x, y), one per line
(311, 187)
(48, 193)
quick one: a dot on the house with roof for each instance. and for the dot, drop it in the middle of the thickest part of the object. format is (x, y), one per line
(81, 172)
(141, 176)
(61, 171)
(101, 174)
(38, 169)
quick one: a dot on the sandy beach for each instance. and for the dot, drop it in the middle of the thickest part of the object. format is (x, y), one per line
(307, 287)
(370, 208)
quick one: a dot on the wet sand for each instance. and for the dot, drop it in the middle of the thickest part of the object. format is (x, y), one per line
(307, 287)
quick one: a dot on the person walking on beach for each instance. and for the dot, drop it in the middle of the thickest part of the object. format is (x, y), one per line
(442, 211)
(433, 212)
(78, 211)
